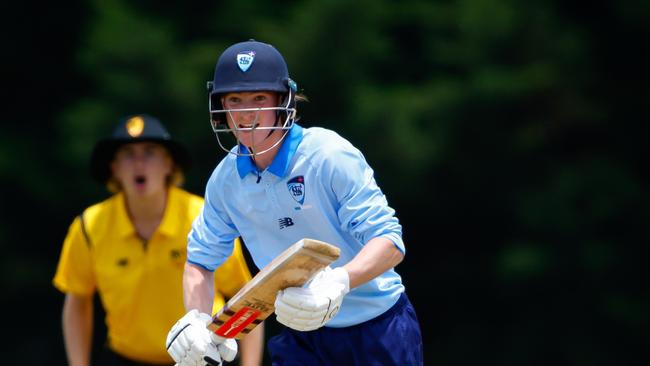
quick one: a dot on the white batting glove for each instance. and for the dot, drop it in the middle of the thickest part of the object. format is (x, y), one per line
(312, 306)
(191, 343)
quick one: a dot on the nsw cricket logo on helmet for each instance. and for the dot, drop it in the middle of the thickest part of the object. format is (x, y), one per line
(245, 60)
(247, 67)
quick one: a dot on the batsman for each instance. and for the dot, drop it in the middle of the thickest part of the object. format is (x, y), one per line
(281, 182)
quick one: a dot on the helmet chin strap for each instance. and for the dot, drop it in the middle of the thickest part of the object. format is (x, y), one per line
(253, 151)
(277, 122)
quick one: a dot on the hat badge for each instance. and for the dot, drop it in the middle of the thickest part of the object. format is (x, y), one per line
(245, 60)
(135, 126)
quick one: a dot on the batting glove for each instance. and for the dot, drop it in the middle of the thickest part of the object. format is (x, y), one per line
(191, 343)
(312, 306)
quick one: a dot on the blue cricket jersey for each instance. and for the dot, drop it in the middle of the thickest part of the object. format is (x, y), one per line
(318, 186)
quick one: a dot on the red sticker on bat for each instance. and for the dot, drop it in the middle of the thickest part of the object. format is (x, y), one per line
(237, 322)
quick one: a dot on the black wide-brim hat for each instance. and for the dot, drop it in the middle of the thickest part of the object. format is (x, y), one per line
(131, 129)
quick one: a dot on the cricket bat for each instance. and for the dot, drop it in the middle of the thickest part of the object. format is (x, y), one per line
(256, 300)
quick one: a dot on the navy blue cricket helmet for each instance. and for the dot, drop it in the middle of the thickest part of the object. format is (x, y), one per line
(251, 66)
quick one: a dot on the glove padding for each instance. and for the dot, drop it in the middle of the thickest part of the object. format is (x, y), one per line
(312, 306)
(191, 343)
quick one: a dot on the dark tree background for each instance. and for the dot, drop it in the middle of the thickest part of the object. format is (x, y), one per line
(508, 135)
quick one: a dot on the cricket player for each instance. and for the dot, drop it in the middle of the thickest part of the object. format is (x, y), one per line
(280, 183)
(131, 250)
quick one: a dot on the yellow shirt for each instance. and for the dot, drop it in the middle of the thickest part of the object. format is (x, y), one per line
(139, 283)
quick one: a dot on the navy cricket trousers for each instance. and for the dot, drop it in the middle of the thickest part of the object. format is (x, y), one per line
(393, 338)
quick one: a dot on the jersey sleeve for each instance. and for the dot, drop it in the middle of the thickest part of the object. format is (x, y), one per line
(363, 209)
(74, 273)
(211, 239)
(233, 274)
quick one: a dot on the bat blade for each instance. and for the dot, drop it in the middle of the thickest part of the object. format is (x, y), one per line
(255, 301)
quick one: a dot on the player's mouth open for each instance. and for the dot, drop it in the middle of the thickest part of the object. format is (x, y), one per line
(251, 125)
(140, 180)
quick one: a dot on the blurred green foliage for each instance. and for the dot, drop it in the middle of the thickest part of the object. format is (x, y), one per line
(505, 133)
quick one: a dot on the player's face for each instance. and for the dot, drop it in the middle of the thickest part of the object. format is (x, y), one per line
(259, 139)
(142, 168)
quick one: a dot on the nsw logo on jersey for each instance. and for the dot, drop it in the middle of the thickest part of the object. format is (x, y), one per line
(296, 187)
(245, 60)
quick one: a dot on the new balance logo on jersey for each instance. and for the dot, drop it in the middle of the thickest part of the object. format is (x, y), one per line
(285, 221)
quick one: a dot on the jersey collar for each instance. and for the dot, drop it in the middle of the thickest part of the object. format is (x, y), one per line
(281, 161)
(123, 226)
(169, 225)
